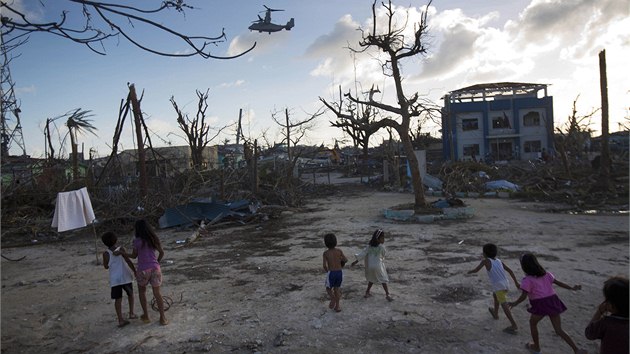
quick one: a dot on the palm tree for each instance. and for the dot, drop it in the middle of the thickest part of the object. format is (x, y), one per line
(78, 123)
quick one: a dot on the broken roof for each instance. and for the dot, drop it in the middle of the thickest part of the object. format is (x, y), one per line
(490, 90)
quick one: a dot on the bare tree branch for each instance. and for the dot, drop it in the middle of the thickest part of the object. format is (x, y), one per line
(16, 23)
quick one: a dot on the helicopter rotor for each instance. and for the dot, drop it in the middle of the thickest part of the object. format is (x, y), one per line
(269, 9)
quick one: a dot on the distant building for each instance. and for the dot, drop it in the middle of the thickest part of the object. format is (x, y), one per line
(502, 121)
(166, 161)
(230, 155)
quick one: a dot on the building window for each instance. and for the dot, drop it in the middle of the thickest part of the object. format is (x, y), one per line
(501, 122)
(471, 149)
(532, 146)
(470, 124)
(531, 119)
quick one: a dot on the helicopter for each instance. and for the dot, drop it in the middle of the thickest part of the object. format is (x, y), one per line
(265, 25)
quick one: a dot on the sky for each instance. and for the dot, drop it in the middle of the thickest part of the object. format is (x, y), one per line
(554, 42)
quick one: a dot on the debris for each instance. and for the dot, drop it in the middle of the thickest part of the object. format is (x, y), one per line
(501, 184)
(203, 209)
(13, 260)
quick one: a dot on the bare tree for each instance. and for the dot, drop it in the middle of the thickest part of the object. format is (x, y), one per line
(197, 129)
(573, 137)
(396, 47)
(357, 122)
(104, 20)
(293, 132)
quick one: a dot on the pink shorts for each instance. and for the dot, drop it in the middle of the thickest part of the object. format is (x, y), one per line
(151, 276)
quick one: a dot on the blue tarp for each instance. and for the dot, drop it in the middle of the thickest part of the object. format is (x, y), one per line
(501, 184)
(198, 210)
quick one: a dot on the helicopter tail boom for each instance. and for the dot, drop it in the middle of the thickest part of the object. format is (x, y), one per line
(290, 24)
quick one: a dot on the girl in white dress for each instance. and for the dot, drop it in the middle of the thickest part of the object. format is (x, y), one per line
(374, 255)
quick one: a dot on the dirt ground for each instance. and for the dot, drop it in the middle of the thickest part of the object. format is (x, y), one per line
(260, 287)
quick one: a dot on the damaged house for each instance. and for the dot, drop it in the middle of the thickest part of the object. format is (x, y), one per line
(161, 161)
(497, 121)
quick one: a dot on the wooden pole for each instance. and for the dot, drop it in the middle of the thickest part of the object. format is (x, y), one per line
(604, 170)
(137, 115)
(95, 244)
(239, 131)
(255, 164)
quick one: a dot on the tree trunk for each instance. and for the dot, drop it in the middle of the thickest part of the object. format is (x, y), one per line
(196, 157)
(416, 179)
(75, 158)
(255, 169)
(291, 163)
(564, 158)
(137, 115)
(604, 170)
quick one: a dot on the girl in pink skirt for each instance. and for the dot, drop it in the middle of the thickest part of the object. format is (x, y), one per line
(538, 287)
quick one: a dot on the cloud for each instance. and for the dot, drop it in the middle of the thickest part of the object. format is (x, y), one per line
(336, 60)
(26, 90)
(331, 50)
(265, 42)
(32, 12)
(236, 83)
(343, 35)
(456, 48)
(564, 21)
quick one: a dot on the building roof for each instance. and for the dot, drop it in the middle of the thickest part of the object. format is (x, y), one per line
(491, 90)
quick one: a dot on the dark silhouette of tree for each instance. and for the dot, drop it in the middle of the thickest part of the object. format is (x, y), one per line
(105, 20)
(396, 47)
(357, 122)
(78, 123)
(196, 129)
(572, 138)
(292, 132)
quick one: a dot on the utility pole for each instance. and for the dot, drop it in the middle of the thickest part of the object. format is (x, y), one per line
(604, 170)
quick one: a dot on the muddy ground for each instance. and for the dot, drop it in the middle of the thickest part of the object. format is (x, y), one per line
(259, 287)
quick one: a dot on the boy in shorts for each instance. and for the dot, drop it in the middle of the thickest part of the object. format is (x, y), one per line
(334, 260)
(121, 271)
(500, 284)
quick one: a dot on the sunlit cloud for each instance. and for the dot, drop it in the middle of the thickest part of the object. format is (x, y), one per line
(265, 42)
(236, 83)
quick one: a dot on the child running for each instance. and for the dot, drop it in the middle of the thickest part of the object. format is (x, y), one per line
(145, 244)
(613, 328)
(500, 284)
(538, 286)
(374, 255)
(334, 260)
(121, 272)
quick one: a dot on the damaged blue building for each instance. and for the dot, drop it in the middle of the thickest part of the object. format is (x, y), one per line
(499, 121)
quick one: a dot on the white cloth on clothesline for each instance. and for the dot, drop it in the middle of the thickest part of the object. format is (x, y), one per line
(73, 210)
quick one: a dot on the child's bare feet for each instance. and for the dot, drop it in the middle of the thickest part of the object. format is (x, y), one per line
(337, 309)
(145, 319)
(331, 305)
(494, 314)
(133, 316)
(510, 330)
(367, 295)
(123, 323)
(389, 298)
(532, 348)
(163, 321)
